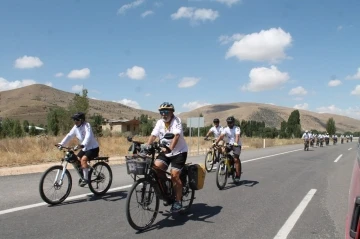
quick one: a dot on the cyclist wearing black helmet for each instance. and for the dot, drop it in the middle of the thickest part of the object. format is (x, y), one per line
(232, 134)
(169, 123)
(216, 130)
(88, 143)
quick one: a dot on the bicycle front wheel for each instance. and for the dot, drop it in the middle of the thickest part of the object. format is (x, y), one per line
(143, 193)
(221, 174)
(50, 181)
(100, 178)
(209, 161)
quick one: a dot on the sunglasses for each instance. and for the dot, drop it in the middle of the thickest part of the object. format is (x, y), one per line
(76, 119)
(164, 112)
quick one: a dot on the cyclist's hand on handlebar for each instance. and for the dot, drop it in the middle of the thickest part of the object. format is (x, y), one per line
(236, 144)
(206, 138)
(59, 146)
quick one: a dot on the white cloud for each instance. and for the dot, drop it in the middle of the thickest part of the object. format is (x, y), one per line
(77, 88)
(353, 112)
(304, 106)
(334, 83)
(263, 78)
(10, 85)
(128, 6)
(59, 74)
(135, 73)
(27, 62)
(228, 2)
(356, 91)
(224, 39)
(356, 76)
(298, 91)
(129, 103)
(49, 84)
(195, 14)
(339, 28)
(188, 82)
(194, 105)
(146, 13)
(79, 74)
(266, 45)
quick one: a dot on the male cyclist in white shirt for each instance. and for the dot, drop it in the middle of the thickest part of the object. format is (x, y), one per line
(90, 146)
(216, 130)
(178, 148)
(232, 134)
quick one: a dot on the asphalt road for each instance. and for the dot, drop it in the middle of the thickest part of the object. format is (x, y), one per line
(285, 193)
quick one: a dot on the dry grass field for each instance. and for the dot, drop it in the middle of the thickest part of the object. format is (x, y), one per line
(37, 150)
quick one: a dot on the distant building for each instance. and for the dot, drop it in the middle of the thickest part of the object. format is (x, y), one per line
(121, 125)
(37, 128)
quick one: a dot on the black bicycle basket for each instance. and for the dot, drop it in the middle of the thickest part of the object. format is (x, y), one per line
(137, 165)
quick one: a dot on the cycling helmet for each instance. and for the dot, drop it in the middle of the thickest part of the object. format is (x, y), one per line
(230, 119)
(167, 106)
(78, 116)
(216, 120)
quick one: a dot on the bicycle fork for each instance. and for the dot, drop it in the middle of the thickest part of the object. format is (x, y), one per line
(62, 174)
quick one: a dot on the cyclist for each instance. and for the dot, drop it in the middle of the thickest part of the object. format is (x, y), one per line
(90, 146)
(169, 123)
(216, 130)
(232, 134)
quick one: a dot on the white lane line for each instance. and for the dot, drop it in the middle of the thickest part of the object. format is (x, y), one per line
(294, 217)
(338, 158)
(349, 148)
(113, 189)
(249, 160)
(15, 209)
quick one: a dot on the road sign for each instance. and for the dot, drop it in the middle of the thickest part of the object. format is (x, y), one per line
(195, 122)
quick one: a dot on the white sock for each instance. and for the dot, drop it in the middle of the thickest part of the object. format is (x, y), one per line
(85, 173)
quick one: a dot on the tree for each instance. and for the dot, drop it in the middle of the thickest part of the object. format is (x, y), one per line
(283, 129)
(32, 130)
(26, 126)
(330, 126)
(53, 122)
(18, 131)
(80, 103)
(96, 124)
(293, 128)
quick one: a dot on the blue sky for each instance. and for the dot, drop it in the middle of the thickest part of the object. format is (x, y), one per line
(302, 54)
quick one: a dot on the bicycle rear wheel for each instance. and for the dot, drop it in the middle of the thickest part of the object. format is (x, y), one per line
(144, 194)
(53, 182)
(100, 178)
(209, 161)
(221, 174)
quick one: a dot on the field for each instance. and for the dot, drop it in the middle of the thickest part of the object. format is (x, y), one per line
(37, 150)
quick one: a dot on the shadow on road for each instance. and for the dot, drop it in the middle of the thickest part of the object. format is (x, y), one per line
(111, 196)
(247, 183)
(198, 212)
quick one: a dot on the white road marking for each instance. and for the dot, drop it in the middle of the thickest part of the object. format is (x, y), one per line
(114, 189)
(15, 209)
(349, 148)
(338, 158)
(294, 217)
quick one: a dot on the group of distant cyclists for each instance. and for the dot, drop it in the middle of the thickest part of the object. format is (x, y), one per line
(175, 153)
(319, 139)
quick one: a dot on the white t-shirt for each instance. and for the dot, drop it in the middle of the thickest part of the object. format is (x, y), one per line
(305, 136)
(230, 134)
(84, 134)
(175, 128)
(216, 130)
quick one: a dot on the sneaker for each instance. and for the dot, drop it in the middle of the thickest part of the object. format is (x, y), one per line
(176, 207)
(237, 179)
(83, 183)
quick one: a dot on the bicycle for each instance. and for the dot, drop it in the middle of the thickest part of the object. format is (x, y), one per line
(306, 145)
(211, 156)
(61, 171)
(226, 167)
(159, 186)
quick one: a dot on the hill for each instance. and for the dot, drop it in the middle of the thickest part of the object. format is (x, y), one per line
(272, 115)
(33, 102)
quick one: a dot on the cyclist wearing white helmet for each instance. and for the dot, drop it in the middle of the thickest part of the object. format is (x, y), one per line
(178, 148)
(90, 147)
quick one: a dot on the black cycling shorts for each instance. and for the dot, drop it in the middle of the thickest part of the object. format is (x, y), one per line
(177, 161)
(90, 154)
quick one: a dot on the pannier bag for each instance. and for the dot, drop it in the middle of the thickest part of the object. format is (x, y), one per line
(196, 175)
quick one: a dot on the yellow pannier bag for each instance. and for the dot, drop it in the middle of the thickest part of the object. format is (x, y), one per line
(196, 175)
